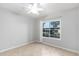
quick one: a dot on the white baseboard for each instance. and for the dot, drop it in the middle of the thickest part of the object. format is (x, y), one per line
(60, 47)
(26, 43)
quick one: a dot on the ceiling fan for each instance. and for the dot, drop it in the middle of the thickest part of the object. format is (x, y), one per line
(33, 8)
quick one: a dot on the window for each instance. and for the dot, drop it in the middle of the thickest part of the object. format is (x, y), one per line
(51, 28)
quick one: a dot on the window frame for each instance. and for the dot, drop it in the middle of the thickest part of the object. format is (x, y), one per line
(41, 28)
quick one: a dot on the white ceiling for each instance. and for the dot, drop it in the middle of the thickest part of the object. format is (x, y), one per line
(49, 8)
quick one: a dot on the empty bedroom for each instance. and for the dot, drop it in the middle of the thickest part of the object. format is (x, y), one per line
(39, 29)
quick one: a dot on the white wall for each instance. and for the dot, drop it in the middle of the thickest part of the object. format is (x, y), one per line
(36, 31)
(78, 30)
(15, 29)
(69, 35)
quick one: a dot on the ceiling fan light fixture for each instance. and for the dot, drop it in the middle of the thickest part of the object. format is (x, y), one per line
(33, 9)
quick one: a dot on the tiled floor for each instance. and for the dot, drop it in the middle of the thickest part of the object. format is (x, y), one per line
(38, 49)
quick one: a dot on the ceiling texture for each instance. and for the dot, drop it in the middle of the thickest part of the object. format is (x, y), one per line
(49, 8)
